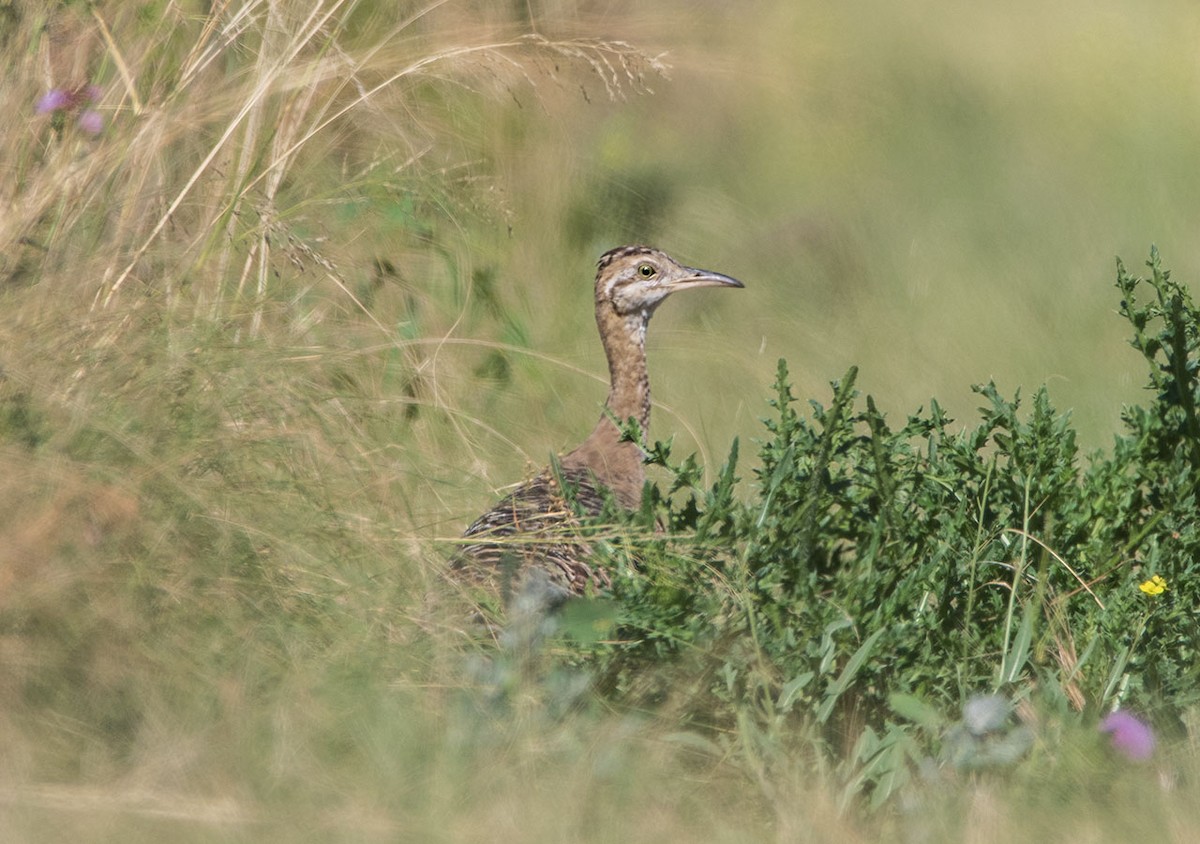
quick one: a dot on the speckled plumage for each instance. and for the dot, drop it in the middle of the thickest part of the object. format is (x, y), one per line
(535, 525)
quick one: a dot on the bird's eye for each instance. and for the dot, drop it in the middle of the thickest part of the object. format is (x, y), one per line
(646, 271)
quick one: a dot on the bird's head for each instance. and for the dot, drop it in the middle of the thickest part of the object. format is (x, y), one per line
(636, 279)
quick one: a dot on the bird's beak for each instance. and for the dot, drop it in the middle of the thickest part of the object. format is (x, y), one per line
(702, 278)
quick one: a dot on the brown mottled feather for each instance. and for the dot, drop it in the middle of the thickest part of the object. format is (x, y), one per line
(536, 525)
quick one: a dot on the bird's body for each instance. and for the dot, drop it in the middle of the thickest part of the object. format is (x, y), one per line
(535, 527)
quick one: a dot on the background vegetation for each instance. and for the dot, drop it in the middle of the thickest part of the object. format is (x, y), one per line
(321, 284)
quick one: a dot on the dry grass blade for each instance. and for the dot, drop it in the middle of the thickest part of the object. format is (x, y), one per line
(1083, 584)
(297, 83)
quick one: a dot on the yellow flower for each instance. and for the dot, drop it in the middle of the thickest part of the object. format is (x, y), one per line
(1154, 586)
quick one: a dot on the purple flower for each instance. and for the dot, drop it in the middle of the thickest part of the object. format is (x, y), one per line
(91, 122)
(73, 102)
(1131, 737)
(53, 101)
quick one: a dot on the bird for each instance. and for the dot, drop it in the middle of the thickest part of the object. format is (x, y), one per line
(533, 531)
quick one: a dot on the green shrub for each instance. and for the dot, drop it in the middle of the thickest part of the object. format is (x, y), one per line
(874, 573)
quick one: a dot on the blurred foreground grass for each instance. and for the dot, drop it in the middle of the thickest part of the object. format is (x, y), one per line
(323, 281)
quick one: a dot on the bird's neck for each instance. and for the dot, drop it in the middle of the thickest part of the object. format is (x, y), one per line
(617, 464)
(624, 340)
